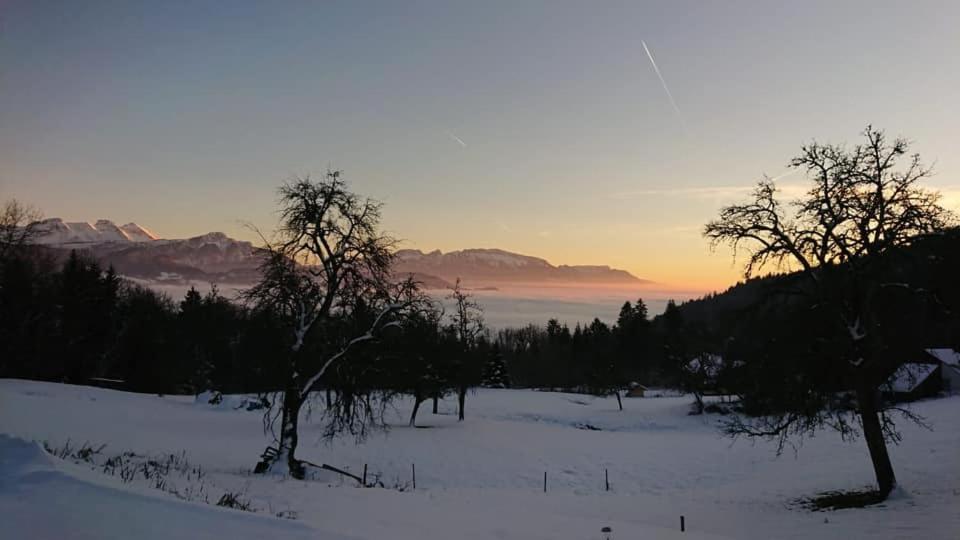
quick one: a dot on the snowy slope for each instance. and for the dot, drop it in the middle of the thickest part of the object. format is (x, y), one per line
(39, 500)
(136, 233)
(482, 478)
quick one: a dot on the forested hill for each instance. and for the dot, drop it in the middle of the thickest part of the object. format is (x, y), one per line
(931, 264)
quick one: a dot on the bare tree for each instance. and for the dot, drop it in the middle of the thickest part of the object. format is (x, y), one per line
(467, 324)
(329, 257)
(17, 226)
(860, 207)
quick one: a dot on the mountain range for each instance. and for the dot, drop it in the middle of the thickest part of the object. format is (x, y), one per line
(136, 252)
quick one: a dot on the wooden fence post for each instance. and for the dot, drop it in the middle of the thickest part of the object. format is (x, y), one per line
(413, 467)
(606, 477)
(364, 475)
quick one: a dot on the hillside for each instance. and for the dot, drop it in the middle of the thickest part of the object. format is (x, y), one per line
(929, 264)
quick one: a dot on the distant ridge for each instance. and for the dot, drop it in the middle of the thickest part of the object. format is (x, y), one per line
(493, 266)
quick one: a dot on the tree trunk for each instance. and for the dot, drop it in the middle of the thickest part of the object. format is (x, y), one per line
(287, 447)
(435, 400)
(417, 400)
(462, 401)
(619, 401)
(867, 401)
(698, 403)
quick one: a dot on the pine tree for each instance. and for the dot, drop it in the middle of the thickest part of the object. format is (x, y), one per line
(495, 371)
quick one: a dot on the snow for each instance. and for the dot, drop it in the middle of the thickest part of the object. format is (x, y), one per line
(109, 232)
(83, 232)
(909, 376)
(481, 478)
(41, 498)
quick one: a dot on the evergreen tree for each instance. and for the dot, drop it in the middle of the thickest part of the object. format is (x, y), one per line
(495, 370)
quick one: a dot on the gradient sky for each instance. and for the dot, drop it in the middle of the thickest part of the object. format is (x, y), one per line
(185, 116)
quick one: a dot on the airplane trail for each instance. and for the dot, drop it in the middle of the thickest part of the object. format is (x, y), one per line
(458, 139)
(666, 89)
(784, 175)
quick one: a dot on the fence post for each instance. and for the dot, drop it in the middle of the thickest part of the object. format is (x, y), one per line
(683, 525)
(413, 467)
(606, 477)
(364, 475)
(544, 481)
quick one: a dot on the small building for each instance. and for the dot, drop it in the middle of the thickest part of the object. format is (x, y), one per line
(636, 389)
(912, 381)
(949, 361)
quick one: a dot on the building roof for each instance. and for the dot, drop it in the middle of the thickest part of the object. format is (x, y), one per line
(949, 357)
(908, 377)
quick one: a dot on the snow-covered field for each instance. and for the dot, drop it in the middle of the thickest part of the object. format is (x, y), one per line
(482, 478)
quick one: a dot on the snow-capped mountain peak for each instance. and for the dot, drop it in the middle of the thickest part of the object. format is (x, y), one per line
(136, 233)
(109, 232)
(56, 232)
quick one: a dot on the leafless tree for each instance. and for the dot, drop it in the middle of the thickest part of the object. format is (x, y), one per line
(17, 226)
(861, 205)
(467, 323)
(328, 258)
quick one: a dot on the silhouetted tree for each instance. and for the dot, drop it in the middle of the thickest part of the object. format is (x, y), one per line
(87, 300)
(859, 207)
(329, 257)
(466, 323)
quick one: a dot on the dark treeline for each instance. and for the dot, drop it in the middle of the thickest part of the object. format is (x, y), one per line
(75, 321)
(744, 341)
(597, 358)
(78, 322)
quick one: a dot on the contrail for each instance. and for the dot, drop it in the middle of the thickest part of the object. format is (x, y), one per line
(784, 175)
(458, 139)
(664, 83)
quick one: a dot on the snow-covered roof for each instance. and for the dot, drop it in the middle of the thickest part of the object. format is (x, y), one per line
(908, 377)
(947, 356)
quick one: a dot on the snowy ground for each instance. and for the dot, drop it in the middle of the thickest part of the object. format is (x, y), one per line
(482, 478)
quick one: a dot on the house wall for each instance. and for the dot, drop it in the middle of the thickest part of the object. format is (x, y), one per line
(951, 378)
(930, 387)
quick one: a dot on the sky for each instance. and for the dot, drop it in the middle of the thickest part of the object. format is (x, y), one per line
(537, 127)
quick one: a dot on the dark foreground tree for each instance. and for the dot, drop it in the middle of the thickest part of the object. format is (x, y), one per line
(861, 206)
(328, 269)
(17, 227)
(466, 323)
